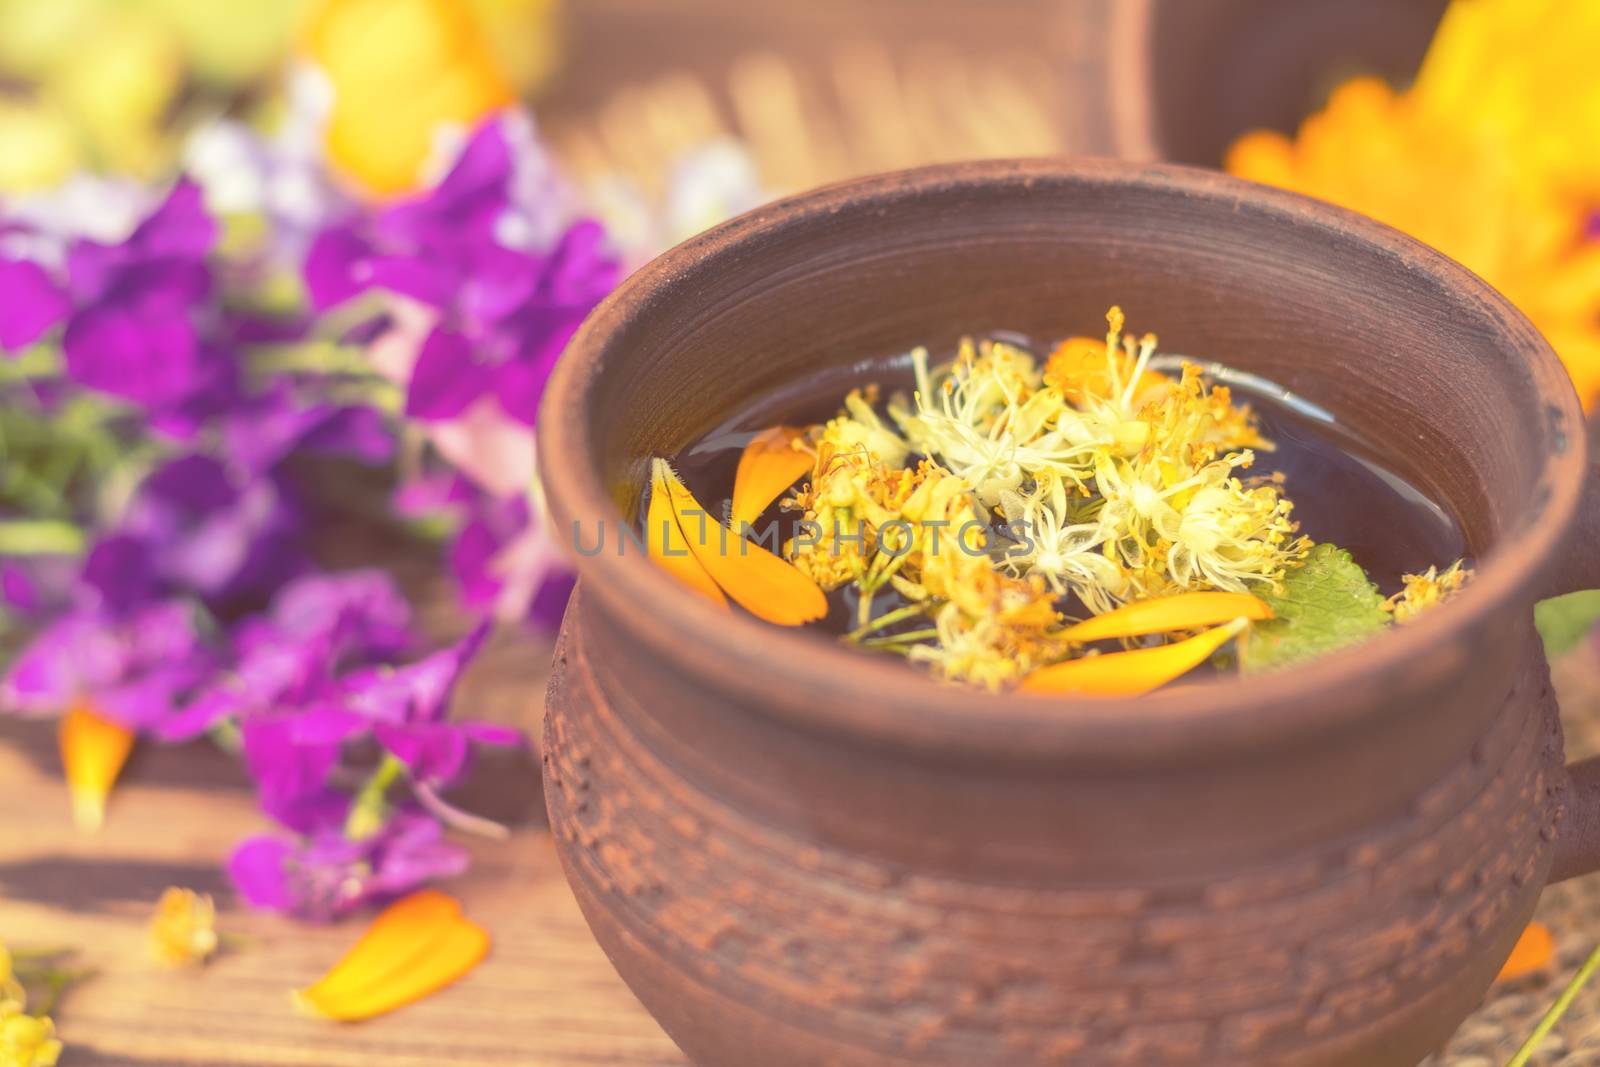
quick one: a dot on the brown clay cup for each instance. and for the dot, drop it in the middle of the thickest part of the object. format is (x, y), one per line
(798, 854)
(1190, 77)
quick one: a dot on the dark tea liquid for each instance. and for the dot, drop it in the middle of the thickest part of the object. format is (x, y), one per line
(1342, 493)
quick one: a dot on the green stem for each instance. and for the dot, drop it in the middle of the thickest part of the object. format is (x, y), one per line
(40, 537)
(55, 983)
(1557, 1010)
(909, 637)
(888, 618)
(370, 807)
(226, 735)
(313, 357)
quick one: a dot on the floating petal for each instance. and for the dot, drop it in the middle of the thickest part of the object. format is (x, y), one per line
(93, 751)
(769, 465)
(1534, 951)
(1159, 615)
(1132, 673)
(418, 945)
(668, 546)
(757, 580)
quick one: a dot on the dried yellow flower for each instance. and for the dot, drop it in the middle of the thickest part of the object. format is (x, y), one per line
(183, 930)
(1426, 590)
(26, 1040)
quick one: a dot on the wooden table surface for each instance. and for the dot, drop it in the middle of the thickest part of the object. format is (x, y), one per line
(546, 996)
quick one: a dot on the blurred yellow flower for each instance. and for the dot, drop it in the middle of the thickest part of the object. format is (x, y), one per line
(183, 930)
(522, 35)
(1488, 157)
(401, 71)
(42, 147)
(26, 1040)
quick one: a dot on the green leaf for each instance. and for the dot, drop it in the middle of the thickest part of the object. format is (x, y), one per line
(1326, 603)
(1563, 621)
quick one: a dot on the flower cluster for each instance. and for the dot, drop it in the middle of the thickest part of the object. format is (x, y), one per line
(166, 401)
(1003, 497)
(27, 1038)
(1114, 484)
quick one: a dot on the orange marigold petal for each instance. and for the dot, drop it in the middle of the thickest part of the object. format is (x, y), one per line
(440, 953)
(1159, 615)
(1265, 156)
(666, 542)
(1535, 950)
(93, 750)
(1132, 673)
(769, 465)
(387, 945)
(758, 581)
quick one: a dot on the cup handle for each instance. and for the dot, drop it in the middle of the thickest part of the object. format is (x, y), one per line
(1578, 842)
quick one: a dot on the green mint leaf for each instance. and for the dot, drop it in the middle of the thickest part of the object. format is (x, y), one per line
(1326, 603)
(1563, 621)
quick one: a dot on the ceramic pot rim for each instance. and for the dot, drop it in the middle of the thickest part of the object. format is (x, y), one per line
(816, 686)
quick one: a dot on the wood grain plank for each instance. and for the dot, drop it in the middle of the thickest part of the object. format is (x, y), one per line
(546, 997)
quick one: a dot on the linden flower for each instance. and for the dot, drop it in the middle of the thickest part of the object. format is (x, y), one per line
(183, 929)
(860, 429)
(994, 631)
(1117, 374)
(850, 496)
(1426, 590)
(1484, 158)
(986, 421)
(1069, 555)
(26, 1040)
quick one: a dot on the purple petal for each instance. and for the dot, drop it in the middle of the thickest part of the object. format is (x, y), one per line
(120, 568)
(426, 279)
(18, 590)
(138, 354)
(180, 228)
(358, 433)
(550, 602)
(258, 870)
(434, 752)
(492, 733)
(337, 267)
(446, 379)
(30, 303)
(198, 716)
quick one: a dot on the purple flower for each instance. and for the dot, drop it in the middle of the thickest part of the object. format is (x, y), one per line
(30, 304)
(262, 432)
(130, 308)
(328, 875)
(33, 585)
(505, 563)
(502, 314)
(136, 669)
(215, 530)
(133, 334)
(290, 660)
(290, 756)
(406, 708)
